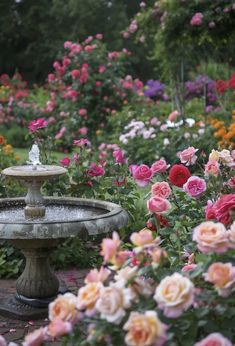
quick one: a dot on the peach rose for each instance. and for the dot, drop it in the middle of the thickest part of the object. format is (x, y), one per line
(188, 156)
(158, 205)
(144, 238)
(58, 328)
(174, 295)
(112, 303)
(231, 235)
(211, 237)
(125, 274)
(96, 275)
(64, 308)
(212, 168)
(144, 329)
(36, 338)
(109, 247)
(222, 275)
(88, 295)
(157, 255)
(161, 189)
(214, 339)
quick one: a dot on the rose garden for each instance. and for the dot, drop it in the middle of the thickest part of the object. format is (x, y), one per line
(149, 126)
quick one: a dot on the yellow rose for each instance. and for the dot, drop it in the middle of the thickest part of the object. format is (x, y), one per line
(64, 307)
(144, 329)
(174, 294)
(88, 295)
(214, 155)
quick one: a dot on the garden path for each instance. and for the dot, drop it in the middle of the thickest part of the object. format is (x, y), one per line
(15, 330)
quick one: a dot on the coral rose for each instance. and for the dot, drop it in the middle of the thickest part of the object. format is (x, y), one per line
(188, 156)
(161, 189)
(214, 339)
(222, 275)
(144, 329)
(174, 295)
(88, 295)
(58, 328)
(194, 186)
(64, 308)
(142, 175)
(211, 237)
(158, 205)
(178, 175)
(109, 247)
(159, 166)
(212, 168)
(112, 303)
(36, 338)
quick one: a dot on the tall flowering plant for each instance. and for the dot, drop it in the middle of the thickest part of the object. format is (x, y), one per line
(88, 85)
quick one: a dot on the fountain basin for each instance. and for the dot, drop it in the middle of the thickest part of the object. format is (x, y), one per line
(93, 217)
(65, 218)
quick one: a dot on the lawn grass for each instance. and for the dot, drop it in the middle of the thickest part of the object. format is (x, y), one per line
(23, 153)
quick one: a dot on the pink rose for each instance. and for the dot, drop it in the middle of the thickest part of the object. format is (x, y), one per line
(96, 275)
(194, 186)
(224, 207)
(196, 19)
(82, 112)
(173, 115)
(58, 328)
(231, 182)
(188, 156)
(99, 36)
(188, 267)
(83, 142)
(60, 133)
(95, 170)
(83, 131)
(119, 156)
(214, 339)
(65, 161)
(37, 124)
(142, 175)
(36, 338)
(212, 167)
(158, 205)
(161, 189)
(159, 166)
(75, 74)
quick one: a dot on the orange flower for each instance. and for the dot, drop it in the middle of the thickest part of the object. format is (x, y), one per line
(2, 140)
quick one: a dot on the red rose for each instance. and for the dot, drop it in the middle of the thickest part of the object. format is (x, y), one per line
(221, 86)
(178, 175)
(223, 208)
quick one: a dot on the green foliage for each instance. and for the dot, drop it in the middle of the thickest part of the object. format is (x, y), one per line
(11, 261)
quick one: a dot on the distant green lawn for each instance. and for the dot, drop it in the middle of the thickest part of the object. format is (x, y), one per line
(24, 154)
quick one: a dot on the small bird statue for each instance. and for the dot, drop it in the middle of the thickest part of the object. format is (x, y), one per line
(34, 156)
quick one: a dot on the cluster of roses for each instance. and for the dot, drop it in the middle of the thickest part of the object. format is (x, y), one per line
(116, 301)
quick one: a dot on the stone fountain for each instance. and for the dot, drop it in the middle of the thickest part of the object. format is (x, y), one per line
(37, 224)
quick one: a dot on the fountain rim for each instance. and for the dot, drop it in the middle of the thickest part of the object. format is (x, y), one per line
(49, 172)
(113, 209)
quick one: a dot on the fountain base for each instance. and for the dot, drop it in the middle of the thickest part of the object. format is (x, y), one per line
(14, 309)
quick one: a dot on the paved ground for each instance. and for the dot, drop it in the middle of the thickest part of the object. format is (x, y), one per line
(15, 330)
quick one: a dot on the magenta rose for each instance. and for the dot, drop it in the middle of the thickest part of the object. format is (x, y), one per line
(142, 175)
(119, 156)
(161, 189)
(158, 205)
(159, 166)
(95, 170)
(65, 161)
(194, 186)
(37, 124)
